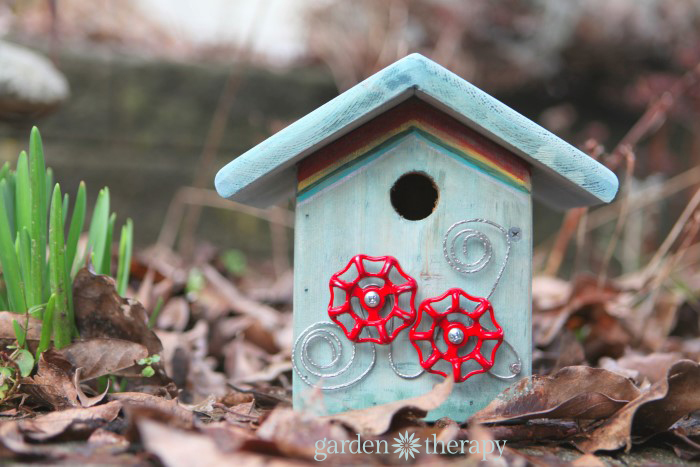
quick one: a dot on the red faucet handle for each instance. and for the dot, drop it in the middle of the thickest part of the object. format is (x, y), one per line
(456, 334)
(374, 299)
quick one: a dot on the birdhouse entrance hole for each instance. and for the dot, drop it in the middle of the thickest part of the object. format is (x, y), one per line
(414, 196)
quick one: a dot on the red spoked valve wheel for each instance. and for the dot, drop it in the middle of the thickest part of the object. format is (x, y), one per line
(456, 334)
(372, 299)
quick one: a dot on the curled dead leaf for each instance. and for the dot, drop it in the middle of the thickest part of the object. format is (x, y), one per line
(101, 312)
(87, 401)
(575, 392)
(53, 384)
(101, 356)
(652, 367)
(78, 423)
(295, 433)
(376, 420)
(141, 401)
(7, 331)
(180, 448)
(653, 411)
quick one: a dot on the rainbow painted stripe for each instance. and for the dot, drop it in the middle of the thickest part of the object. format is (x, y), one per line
(413, 115)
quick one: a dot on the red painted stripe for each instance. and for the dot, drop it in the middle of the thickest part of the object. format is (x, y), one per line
(412, 109)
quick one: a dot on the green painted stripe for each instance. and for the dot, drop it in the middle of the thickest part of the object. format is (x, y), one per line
(357, 163)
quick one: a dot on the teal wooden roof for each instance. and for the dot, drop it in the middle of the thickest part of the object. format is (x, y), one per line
(562, 176)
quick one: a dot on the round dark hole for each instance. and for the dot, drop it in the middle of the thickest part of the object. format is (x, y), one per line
(414, 196)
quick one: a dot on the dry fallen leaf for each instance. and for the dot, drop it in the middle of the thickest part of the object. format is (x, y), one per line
(87, 401)
(179, 448)
(79, 423)
(185, 360)
(295, 433)
(175, 314)
(653, 411)
(100, 356)
(101, 312)
(7, 331)
(137, 400)
(585, 292)
(53, 383)
(376, 420)
(652, 367)
(576, 392)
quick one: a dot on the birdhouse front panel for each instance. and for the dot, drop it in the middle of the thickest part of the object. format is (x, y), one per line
(412, 263)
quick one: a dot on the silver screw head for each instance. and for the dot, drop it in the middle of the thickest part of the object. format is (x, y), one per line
(515, 368)
(372, 299)
(455, 335)
(515, 234)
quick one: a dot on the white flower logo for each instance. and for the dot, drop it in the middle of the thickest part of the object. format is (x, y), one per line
(406, 445)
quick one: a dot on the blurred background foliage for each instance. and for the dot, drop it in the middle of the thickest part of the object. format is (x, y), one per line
(160, 98)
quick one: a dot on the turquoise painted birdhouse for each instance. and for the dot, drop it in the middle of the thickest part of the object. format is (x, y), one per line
(413, 235)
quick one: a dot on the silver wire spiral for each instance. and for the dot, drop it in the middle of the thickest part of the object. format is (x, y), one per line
(300, 354)
(449, 248)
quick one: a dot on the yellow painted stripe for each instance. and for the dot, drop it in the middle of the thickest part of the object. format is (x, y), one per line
(448, 139)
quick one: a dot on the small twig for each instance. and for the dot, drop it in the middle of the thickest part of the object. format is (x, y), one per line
(217, 128)
(656, 114)
(645, 197)
(677, 229)
(209, 198)
(569, 226)
(622, 217)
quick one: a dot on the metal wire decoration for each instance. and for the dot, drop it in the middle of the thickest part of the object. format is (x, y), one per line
(323, 331)
(301, 358)
(465, 235)
(449, 248)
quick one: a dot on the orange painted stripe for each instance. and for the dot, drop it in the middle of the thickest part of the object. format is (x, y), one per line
(413, 114)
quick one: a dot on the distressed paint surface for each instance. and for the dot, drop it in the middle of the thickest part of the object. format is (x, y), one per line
(413, 115)
(562, 175)
(354, 215)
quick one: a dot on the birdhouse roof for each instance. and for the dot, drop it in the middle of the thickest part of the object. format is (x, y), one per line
(562, 176)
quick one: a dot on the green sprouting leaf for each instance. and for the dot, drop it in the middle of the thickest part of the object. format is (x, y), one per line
(66, 203)
(38, 230)
(49, 188)
(10, 264)
(125, 250)
(155, 358)
(20, 333)
(3, 301)
(153, 319)
(37, 311)
(76, 227)
(46, 327)
(107, 254)
(23, 247)
(5, 170)
(60, 283)
(195, 281)
(99, 224)
(148, 372)
(23, 207)
(142, 361)
(7, 191)
(25, 361)
(234, 262)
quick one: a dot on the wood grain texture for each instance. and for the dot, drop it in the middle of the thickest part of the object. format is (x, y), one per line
(413, 114)
(562, 176)
(354, 215)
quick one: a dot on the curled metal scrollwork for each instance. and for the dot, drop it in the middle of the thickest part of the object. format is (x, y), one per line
(302, 360)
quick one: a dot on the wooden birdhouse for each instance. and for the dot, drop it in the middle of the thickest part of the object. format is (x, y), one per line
(413, 235)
